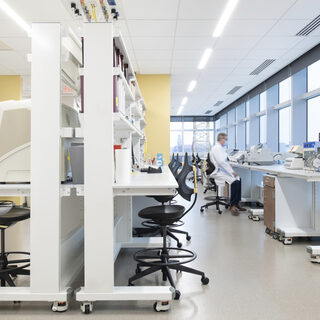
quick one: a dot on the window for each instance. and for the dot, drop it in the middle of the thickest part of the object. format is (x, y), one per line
(263, 101)
(284, 129)
(187, 141)
(313, 76)
(313, 125)
(175, 125)
(247, 135)
(175, 141)
(188, 125)
(285, 90)
(263, 129)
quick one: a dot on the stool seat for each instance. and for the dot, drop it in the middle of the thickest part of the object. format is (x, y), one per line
(162, 214)
(14, 215)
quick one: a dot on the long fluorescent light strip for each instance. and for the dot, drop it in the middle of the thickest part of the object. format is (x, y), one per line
(205, 57)
(15, 17)
(192, 85)
(184, 101)
(224, 18)
(180, 110)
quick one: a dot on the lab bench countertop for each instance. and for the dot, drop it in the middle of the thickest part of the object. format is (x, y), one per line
(280, 170)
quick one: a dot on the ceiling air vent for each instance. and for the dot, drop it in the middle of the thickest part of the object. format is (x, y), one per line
(314, 24)
(262, 66)
(234, 90)
(208, 112)
(218, 103)
(4, 47)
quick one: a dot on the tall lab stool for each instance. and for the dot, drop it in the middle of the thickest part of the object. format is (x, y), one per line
(11, 268)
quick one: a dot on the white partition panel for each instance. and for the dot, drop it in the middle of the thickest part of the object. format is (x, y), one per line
(98, 157)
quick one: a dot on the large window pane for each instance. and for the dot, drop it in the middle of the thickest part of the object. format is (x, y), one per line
(188, 126)
(284, 129)
(285, 90)
(263, 129)
(175, 141)
(175, 125)
(313, 119)
(263, 101)
(247, 135)
(187, 141)
(313, 76)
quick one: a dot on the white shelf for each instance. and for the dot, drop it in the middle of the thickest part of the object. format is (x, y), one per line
(66, 132)
(121, 123)
(129, 95)
(299, 232)
(136, 111)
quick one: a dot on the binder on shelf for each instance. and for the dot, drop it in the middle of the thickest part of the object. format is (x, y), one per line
(115, 95)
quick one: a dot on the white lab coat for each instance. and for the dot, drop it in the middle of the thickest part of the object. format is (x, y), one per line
(223, 172)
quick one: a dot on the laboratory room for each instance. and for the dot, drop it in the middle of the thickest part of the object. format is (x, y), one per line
(160, 159)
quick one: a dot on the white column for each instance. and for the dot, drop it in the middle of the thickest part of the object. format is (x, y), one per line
(45, 158)
(98, 157)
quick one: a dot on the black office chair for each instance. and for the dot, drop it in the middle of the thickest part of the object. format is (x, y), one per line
(165, 259)
(11, 268)
(172, 162)
(211, 186)
(213, 200)
(177, 165)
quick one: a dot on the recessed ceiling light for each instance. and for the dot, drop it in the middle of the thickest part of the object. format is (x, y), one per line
(15, 17)
(224, 18)
(192, 85)
(180, 110)
(205, 57)
(184, 101)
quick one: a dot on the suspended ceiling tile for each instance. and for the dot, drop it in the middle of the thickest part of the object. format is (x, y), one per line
(187, 55)
(195, 28)
(153, 55)
(18, 43)
(150, 10)
(150, 43)
(288, 27)
(303, 9)
(278, 42)
(193, 43)
(236, 43)
(151, 28)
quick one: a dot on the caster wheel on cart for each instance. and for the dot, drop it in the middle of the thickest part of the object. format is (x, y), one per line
(59, 306)
(86, 307)
(177, 295)
(205, 280)
(275, 236)
(179, 244)
(188, 238)
(161, 306)
(250, 216)
(267, 231)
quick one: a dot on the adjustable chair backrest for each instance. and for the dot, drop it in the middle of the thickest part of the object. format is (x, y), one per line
(184, 190)
(176, 166)
(210, 166)
(172, 162)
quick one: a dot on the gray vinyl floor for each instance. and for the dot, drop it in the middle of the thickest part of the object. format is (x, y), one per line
(251, 277)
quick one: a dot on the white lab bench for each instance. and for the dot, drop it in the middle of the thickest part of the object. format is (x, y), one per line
(100, 288)
(296, 197)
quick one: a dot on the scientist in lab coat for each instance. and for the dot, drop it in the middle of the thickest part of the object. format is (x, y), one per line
(224, 172)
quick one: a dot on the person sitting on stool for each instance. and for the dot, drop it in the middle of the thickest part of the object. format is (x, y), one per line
(220, 158)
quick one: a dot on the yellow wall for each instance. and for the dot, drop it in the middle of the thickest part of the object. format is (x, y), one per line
(155, 89)
(11, 89)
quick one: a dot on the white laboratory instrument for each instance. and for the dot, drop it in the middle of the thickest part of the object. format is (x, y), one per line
(255, 214)
(15, 142)
(311, 156)
(295, 161)
(259, 154)
(314, 253)
(237, 156)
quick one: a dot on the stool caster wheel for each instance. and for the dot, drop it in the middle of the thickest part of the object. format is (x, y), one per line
(204, 280)
(179, 245)
(177, 295)
(226, 206)
(130, 284)
(188, 238)
(220, 212)
(86, 307)
(201, 210)
(16, 302)
(59, 306)
(138, 270)
(161, 306)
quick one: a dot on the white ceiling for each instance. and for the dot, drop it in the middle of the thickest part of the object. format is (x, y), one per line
(169, 36)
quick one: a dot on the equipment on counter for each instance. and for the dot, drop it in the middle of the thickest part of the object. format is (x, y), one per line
(311, 156)
(15, 140)
(237, 156)
(260, 155)
(296, 161)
